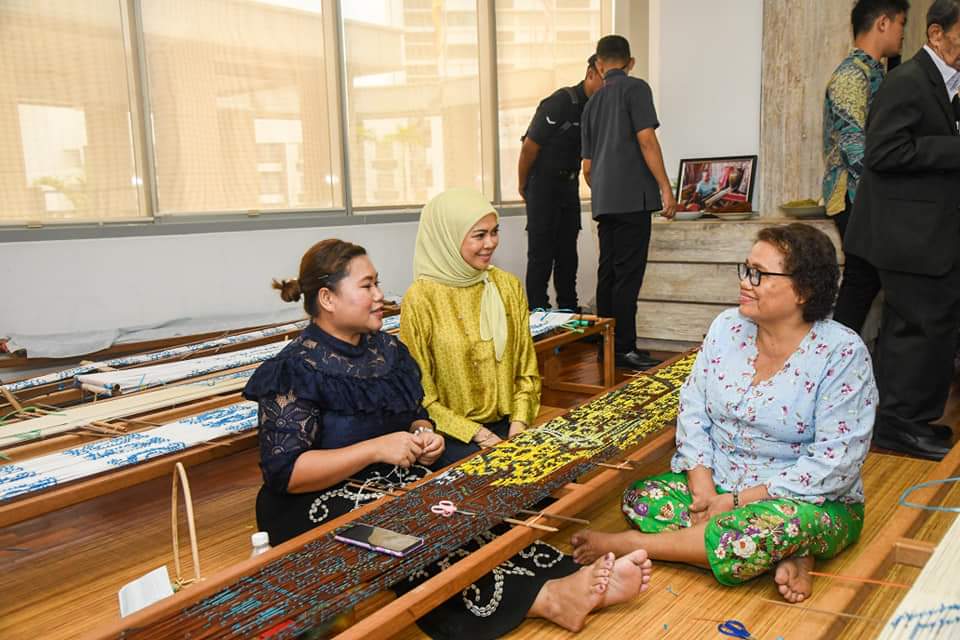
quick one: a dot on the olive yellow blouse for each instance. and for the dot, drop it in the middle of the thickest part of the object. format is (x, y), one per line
(463, 384)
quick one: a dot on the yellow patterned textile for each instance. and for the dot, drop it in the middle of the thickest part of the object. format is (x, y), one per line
(464, 386)
(620, 419)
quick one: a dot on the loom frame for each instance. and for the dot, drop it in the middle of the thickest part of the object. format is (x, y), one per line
(392, 618)
(895, 545)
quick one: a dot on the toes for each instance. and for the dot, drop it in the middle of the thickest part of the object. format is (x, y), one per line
(639, 556)
(782, 575)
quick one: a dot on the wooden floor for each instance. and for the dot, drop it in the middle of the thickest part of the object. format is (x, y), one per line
(59, 573)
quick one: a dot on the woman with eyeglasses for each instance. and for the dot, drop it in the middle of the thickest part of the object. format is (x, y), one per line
(775, 422)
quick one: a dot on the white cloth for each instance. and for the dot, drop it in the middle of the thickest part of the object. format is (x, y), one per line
(58, 468)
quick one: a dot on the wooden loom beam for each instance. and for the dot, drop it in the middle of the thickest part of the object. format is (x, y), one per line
(881, 554)
(419, 601)
(573, 498)
(52, 393)
(108, 482)
(129, 348)
(40, 502)
(405, 610)
(913, 553)
(11, 400)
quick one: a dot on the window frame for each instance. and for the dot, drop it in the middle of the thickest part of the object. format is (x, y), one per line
(154, 223)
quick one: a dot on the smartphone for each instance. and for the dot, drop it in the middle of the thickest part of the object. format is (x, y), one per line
(379, 539)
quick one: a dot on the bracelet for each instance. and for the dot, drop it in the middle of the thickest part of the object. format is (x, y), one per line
(420, 430)
(736, 499)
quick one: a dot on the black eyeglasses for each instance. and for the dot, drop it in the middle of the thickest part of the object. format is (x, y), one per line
(745, 271)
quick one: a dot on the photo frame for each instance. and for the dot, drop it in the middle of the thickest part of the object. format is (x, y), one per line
(722, 184)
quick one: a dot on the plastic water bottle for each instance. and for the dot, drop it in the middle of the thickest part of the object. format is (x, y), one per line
(261, 543)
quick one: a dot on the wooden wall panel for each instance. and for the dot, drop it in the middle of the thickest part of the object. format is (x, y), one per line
(690, 282)
(916, 33)
(803, 42)
(713, 241)
(676, 320)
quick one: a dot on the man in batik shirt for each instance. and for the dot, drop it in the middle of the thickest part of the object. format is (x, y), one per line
(878, 33)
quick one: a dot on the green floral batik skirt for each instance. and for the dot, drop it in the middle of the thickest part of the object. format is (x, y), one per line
(750, 540)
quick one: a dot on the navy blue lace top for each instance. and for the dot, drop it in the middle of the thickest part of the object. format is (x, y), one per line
(320, 392)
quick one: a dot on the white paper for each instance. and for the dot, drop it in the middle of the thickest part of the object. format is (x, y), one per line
(144, 591)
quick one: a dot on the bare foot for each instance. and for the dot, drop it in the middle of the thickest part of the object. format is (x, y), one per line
(793, 578)
(630, 576)
(567, 601)
(589, 545)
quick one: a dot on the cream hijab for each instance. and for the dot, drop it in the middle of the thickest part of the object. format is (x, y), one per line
(444, 223)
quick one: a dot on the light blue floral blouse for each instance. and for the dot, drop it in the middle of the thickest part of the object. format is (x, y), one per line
(803, 432)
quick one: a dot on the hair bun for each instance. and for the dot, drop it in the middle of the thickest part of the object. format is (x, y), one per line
(289, 289)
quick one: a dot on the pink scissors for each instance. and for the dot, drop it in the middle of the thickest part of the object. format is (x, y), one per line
(446, 509)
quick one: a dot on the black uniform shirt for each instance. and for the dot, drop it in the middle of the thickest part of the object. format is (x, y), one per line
(556, 128)
(620, 180)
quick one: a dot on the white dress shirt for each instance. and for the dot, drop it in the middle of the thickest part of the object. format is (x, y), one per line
(951, 77)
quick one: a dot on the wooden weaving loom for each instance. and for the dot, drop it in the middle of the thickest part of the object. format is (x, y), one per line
(320, 578)
(895, 545)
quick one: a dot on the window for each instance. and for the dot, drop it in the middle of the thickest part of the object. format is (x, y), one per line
(243, 107)
(413, 96)
(541, 46)
(135, 109)
(66, 150)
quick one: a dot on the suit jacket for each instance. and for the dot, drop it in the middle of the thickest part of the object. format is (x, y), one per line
(906, 216)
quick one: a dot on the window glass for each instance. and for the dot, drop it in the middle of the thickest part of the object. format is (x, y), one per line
(244, 105)
(66, 150)
(413, 99)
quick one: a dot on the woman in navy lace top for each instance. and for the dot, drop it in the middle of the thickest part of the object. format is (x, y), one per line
(343, 401)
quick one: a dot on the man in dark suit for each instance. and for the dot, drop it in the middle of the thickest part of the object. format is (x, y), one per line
(906, 223)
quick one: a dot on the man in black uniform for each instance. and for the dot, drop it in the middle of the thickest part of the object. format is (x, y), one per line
(549, 171)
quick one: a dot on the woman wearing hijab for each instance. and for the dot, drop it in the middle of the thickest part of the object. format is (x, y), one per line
(466, 324)
(343, 401)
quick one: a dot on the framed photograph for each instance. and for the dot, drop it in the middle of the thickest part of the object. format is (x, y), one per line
(716, 184)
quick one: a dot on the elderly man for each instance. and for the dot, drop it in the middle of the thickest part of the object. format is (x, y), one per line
(906, 223)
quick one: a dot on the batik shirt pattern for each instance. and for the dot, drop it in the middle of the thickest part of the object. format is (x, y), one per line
(847, 101)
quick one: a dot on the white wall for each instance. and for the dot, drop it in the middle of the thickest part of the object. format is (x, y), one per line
(705, 60)
(705, 72)
(91, 285)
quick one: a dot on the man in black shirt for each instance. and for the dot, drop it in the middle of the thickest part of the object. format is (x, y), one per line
(623, 164)
(549, 171)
